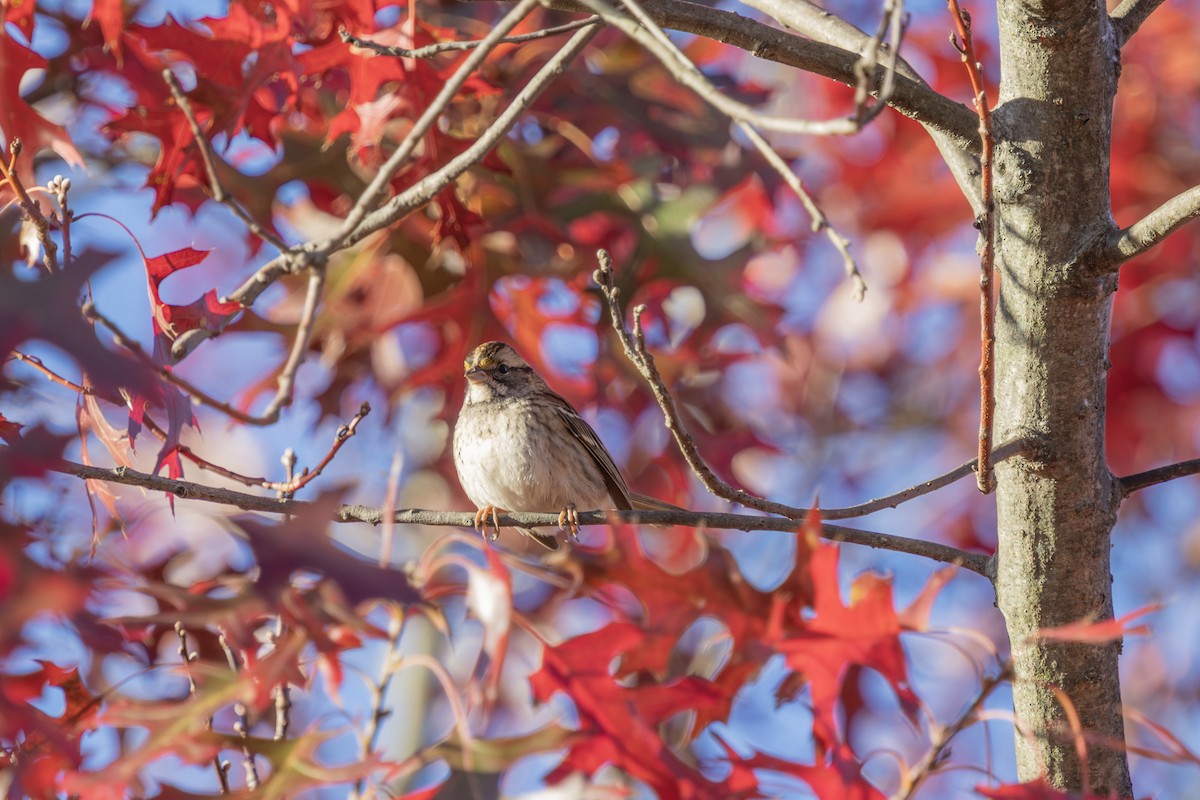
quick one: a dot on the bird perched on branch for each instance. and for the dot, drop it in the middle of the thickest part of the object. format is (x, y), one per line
(519, 446)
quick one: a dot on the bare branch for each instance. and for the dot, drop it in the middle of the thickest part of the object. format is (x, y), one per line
(1129, 16)
(986, 223)
(820, 223)
(634, 346)
(241, 724)
(1152, 477)
(912, 97)
(343, 435)
(943, 734)
(427, 188)
(378, 690)
(446, 47)
(815, 22)
(643, 30)
(215, 187)
(1154, 227)
(428, 117)
(1001, 453)
(186, 490)
(407, 201)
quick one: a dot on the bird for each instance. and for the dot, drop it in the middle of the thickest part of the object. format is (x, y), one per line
(519, 446)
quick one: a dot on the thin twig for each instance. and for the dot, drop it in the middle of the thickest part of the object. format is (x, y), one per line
(188, 490)
(820, 223)
(241, 725)
(984, 477)
(282, 692)
(1151, 477)
(942, 736)
(1001, 453)
(215, 187)
(304, 328)
(344, 434)
(33, 212)
(368, 738)
(446, 47)
(290, 485)
(188, 655)
(37, 364)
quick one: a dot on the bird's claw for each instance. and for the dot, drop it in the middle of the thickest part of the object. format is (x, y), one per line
(482, 522)
(569, 518)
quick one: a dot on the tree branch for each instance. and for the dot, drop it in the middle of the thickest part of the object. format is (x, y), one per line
(634, 346)
(1129, 16)
(1001, 453)
(446, 47)
(215, 187)
(913, 98)
(1151, 477)
(644, 30)
(816, 23)
(187, 490)
(1154, 227)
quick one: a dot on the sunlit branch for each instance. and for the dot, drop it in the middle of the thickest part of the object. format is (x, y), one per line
(215, 187)
(986, 222)
(428, 187)
(1001, 453)
(634, 346)
(241, 725)
(1155, 226)
(820, 25)
(1129, 16)
(1142, 480)
(287, 377)
(912, 97)
(939, 749)
(366, 201)
(820, 223)
(446, 47)
(378, 691)
(187, 490)
(646, 32)
(416, 196)
(220, 766)
(669, 54)
(33, 212)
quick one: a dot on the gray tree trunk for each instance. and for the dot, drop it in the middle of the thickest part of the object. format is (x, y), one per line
(1057, 505)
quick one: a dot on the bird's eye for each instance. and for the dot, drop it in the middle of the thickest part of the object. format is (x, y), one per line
(502, 369)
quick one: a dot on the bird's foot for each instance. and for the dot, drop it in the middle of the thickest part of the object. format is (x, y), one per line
(569, 518)
(482, 522)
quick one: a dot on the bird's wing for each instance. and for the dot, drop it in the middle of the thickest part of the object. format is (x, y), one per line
(579, 428)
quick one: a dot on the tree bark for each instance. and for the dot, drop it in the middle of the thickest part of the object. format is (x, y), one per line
(1056, 507)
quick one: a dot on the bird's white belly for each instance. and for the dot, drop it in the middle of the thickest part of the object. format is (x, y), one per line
(502, 468)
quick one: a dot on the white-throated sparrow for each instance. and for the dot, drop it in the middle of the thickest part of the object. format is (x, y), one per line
(518, 446)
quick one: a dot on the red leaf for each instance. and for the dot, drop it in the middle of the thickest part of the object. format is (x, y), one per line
(1099, 632)
(19, 120)
(111, 16)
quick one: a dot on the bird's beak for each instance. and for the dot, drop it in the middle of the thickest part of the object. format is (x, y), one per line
(476, 375)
